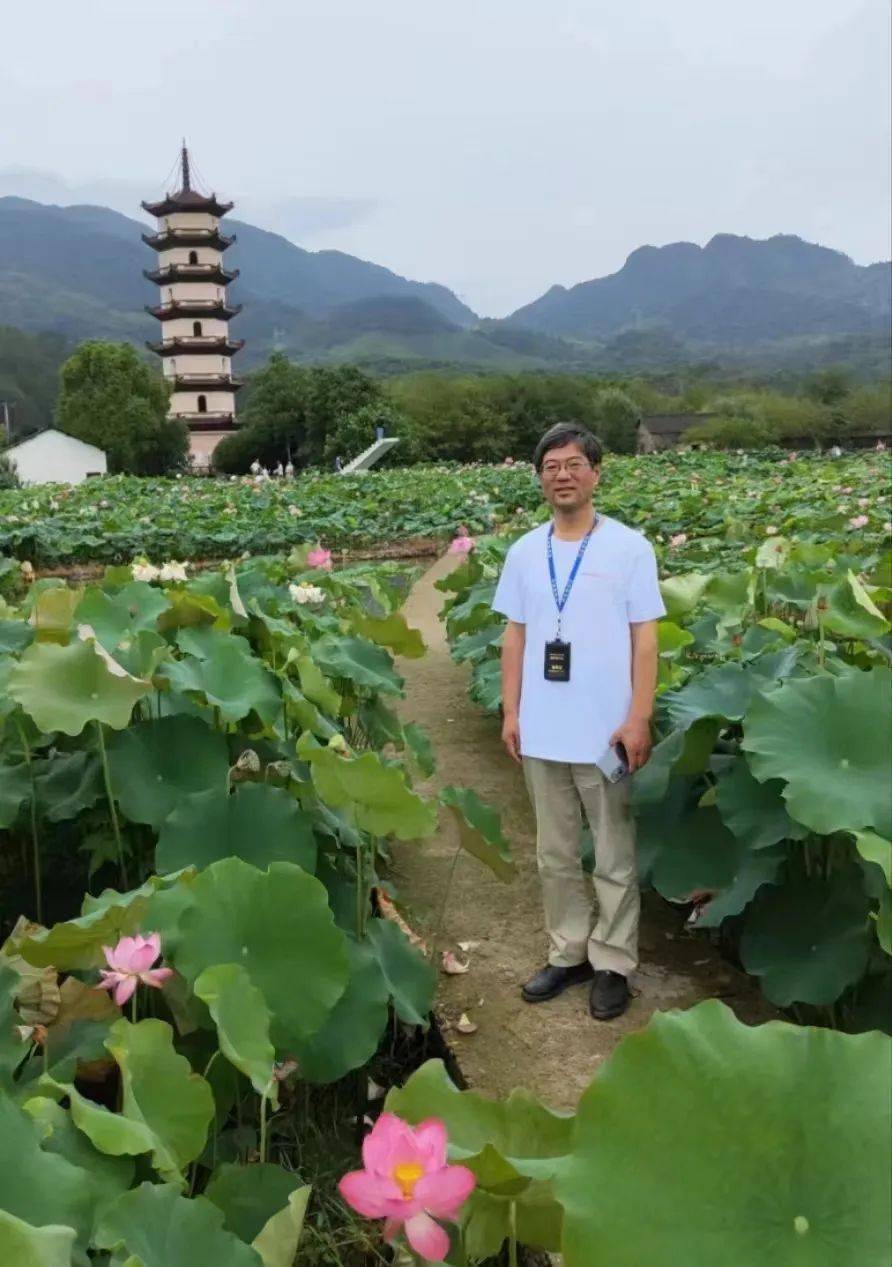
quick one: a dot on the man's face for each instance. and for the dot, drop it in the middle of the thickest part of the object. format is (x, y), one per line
(568, 479)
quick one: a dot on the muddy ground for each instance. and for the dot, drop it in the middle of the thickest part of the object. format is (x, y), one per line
(551, 1048)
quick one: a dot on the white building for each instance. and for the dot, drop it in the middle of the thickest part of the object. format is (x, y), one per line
(194, 312)
(52, 457)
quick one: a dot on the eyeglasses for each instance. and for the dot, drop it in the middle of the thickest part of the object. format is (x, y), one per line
(573, 466)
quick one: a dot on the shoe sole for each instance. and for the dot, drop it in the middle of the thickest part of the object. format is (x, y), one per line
(553, 994)
(608, 1016)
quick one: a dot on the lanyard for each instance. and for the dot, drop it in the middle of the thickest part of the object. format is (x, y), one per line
(561, 601)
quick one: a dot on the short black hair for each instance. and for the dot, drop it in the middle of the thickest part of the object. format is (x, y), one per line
(568, 433)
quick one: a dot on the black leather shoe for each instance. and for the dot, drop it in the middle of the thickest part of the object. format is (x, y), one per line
(609, 995)
(551, 981)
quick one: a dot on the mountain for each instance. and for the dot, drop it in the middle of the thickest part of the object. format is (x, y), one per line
(78, 270)
(734, 291)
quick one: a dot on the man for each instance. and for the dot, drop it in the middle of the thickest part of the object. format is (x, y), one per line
(579, 670)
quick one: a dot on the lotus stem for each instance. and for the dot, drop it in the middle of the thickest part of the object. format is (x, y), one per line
(264, 1104)
(35, 839)
(512, 1234)
(134, 1008)
(360, 890)
(106, 778)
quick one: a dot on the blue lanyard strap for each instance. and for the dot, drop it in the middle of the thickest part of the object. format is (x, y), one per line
(561, 600)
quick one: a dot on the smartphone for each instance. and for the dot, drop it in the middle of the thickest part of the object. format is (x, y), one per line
(614, 764)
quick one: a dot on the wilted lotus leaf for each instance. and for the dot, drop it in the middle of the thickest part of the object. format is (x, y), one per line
(829, 739)
(479, 830)
(681, 594)
(156, 764)
(798, 1115)
(157, 1227)
(278, 925)
(64, 688)
(258, 823)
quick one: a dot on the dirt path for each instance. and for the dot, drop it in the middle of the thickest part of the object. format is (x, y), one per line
(551, 1048)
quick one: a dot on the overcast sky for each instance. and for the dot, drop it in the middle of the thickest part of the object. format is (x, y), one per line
(497, 146)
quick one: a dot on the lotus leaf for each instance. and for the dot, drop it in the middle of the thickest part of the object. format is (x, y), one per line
(117, 617)
(64, 688)
(67, 784)
(249, 1196)
(161, 1092)
(278, 1239)
(160, 1228)
(392, 631)
(479, 830)
(802, 1181)
(229, 680)
(379, 795)
(874, 848)
(829, 739)
(809, 938)
(258, 823)
(15, 789)
(242, 1020)
(39, 1186)
(316, 686)
(359, 661)
(755, 812)
(350, 1036)
(410, 978)
(52, 611)
(156, 764)
(23, 1245)
(277, 924)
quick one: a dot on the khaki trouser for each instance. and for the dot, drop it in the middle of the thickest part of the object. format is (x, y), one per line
(558, 791)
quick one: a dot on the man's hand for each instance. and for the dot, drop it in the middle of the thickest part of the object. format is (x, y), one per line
(511, 735)
(634, 735)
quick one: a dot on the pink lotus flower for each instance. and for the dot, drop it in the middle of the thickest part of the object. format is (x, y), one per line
(406, 1180)
(319, 558)
(858, 521)
(462, 545)
(678, 540)
(131, 962)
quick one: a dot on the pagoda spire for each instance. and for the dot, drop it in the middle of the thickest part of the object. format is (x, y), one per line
(184, 160)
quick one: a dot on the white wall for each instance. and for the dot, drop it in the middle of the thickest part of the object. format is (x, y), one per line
(185, 363)
(187, 402)
(180, 255)
(189, 220)
(53, 457)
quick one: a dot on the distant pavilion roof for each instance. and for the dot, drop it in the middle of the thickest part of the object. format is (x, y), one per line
(672, 424)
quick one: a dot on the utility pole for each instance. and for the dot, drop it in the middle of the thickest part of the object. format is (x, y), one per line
(4, 405)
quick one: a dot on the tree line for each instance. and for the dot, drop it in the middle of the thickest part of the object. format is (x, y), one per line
(314, 415)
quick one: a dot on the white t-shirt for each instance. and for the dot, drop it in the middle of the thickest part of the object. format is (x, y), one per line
(616, 586)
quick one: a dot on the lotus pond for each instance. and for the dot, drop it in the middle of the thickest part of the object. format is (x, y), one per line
(207, 986)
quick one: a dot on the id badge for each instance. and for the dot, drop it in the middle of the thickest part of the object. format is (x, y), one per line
(557, 661)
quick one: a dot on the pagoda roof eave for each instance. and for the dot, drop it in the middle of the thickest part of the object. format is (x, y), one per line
(187, 200)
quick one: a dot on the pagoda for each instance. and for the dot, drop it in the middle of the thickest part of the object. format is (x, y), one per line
(195, 344)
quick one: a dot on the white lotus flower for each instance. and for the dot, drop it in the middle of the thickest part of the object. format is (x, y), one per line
(306, 593)
(143, 571)
(173, 571)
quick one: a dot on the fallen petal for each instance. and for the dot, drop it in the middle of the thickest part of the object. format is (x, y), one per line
(465, 1025)
(452, 965)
